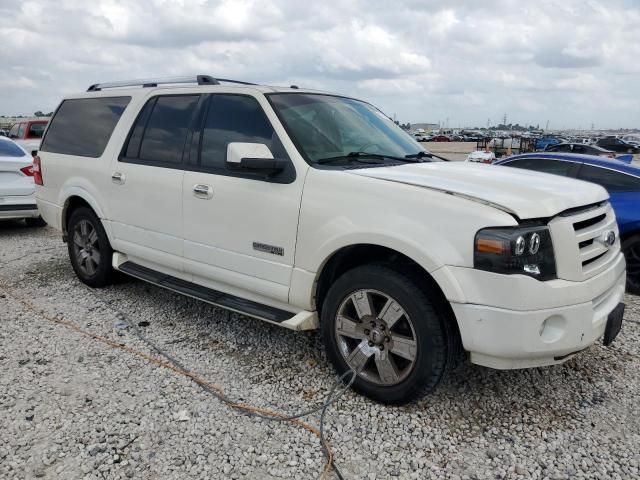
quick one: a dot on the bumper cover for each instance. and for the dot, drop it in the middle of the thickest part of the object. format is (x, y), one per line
(507, 338)
(23, 206)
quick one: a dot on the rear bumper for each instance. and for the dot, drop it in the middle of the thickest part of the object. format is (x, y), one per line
(23, 206)
(504, 337)
(51, 213)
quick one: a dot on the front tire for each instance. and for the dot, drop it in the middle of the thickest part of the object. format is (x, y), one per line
(89, 249)
(631, 250)
(381, 324)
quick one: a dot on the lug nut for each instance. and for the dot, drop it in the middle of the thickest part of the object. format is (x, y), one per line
(373, 324)
(387, 339)
(381, 347)
(367, 331)
(371, 344)
(381, 327)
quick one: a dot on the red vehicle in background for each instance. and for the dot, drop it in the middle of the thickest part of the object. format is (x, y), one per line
(440, 138)
(28, 133)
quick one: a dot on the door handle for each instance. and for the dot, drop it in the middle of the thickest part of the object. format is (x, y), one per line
(118, 178)
(203, 191)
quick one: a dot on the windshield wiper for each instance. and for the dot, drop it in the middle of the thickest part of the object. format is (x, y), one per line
(424, 154)
(362, 156)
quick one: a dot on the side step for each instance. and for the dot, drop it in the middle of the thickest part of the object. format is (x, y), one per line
(302, 321)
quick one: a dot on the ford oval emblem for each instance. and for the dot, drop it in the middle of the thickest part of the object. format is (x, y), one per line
(608, 238)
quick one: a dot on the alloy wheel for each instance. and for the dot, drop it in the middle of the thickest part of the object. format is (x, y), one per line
(86, 247)
(376, 337)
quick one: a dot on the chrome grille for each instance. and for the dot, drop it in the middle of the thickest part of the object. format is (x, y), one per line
(577, 239)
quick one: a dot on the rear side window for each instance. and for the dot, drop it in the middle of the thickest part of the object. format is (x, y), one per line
(545, 165)
(612, 181)
(234, 118)
(83, 126)
(160, 132)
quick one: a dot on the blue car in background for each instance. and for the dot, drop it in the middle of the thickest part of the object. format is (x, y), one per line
(546, 141)
(621, 180)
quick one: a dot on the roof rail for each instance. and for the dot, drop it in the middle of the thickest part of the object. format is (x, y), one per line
(154, 82)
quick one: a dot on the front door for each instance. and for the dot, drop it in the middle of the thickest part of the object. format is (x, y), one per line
(239, 226)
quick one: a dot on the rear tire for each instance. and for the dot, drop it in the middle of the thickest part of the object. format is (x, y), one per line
(35, 222)
(631, 250)
(89, 249)
(380, 322)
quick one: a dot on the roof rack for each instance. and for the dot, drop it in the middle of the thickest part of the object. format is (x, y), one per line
(154, 82)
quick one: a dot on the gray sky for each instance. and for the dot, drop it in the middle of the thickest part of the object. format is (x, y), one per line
(572, 62)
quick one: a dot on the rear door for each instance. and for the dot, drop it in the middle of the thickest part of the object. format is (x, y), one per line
(241, 236)
(145, 191)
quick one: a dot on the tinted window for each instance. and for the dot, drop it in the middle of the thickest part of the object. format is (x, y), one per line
(545, 165)
(10, 149)
(135, 138)
(83, 126)
(36, 130)
(234, 118)
(612, 181)
(164, 137)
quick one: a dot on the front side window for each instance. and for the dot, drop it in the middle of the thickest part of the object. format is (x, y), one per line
(325, 126)
(234, 118)
(13, 133)
(21, 129)
(612, 181)
(545, 165)
(83, 126)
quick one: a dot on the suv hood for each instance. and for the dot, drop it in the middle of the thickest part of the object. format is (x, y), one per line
(523, 193)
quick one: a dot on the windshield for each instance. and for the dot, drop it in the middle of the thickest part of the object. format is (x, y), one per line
(325, 127)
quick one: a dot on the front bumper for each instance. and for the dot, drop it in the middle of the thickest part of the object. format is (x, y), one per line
(570, 317)
(23, 206)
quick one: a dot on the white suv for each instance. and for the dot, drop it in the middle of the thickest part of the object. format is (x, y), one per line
(308, 209)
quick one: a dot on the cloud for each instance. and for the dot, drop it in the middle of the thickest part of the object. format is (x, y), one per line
(571, 61)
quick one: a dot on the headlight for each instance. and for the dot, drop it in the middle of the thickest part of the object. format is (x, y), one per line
(523, 250)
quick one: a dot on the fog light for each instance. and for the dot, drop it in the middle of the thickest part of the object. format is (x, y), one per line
(553, 329)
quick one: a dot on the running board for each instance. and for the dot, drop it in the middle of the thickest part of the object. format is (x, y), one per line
(303, 320)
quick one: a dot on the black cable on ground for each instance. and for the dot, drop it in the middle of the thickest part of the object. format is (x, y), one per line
(334, 394)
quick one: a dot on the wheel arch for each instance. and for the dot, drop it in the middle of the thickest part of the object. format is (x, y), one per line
(75, 199)
(349, 257)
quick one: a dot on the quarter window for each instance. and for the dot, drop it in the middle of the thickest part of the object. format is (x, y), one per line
(544, 165)
(609, 179)
(83, 126)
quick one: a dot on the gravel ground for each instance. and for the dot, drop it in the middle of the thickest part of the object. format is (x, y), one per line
(71, 407)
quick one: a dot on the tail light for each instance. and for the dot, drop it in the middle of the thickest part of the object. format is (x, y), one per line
(37, 172)
(28, 170)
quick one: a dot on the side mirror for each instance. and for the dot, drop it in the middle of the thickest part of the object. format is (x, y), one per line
(253, 156)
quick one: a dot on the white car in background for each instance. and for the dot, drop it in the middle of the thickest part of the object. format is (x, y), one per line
(17, 189)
